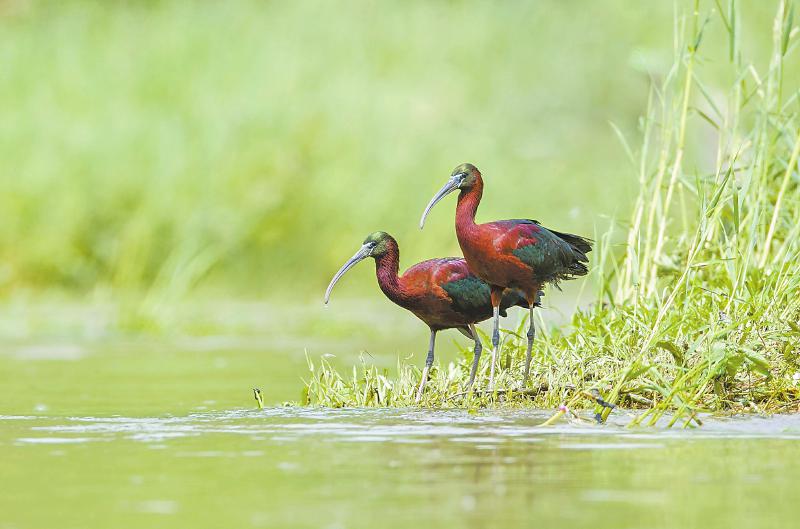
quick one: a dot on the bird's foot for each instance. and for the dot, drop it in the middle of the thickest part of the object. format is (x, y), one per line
(468, 388)
(422, 384)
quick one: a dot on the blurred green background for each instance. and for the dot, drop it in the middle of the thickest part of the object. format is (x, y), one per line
(154, 154)
(179, 181)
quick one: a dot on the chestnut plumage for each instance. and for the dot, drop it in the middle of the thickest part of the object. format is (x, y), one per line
(443, 293)
(518, 254)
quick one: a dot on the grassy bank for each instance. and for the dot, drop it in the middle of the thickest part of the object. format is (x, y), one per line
(698, 291)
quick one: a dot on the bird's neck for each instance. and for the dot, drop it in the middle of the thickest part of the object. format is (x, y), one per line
(387, 267)
(468, 201)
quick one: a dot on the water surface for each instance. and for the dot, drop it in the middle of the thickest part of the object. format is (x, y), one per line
(296, 467)
(101, 430)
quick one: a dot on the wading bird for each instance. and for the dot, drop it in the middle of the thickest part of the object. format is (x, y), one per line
(443, 293)
(510, 254)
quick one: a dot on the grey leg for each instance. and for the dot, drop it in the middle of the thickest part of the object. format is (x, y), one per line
(476, 356)
(495, 343)
(531, 335)
(428, 364)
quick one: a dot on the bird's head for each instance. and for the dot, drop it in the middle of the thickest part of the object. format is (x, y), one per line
(467, 174)
(379, 241)
(375, 245)
(463, 178)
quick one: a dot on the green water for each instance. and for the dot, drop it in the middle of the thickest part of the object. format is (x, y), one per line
(288, 467)
(113, 431)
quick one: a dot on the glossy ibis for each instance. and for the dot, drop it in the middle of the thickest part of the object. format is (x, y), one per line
(443, 293)
(518, 254)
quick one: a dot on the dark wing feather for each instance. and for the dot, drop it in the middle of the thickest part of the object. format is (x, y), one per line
(470, 295)
(514, 298)
(553, 255)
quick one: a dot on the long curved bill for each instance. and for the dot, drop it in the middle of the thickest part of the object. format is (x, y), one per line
(448, 188)
(359, 256)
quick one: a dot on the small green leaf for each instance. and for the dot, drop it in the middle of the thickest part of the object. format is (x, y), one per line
(674, 350)
(760, 364)
(787, 30)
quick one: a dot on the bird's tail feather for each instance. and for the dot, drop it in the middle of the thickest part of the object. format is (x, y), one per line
(580, 246)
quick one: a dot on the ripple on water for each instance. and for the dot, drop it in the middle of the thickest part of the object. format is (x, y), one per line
(623, 496)
(610, 446)
(486, 428)
(55, 440)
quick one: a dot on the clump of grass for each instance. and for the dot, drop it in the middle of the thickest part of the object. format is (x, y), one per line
(698, 308)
